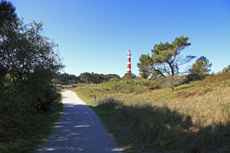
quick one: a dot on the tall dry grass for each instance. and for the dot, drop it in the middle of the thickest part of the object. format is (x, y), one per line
(193, 118)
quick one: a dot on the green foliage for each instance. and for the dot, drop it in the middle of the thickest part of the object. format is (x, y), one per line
(15, 117)
(165, 60)
(31, 62)
(145, 65)
(165, 56)
(131, 87)
(194, 77)
(23, 50)
(28, 63)
(172, 81)
(7, 11)
(31, 131)
(129, 76)
(65, 79)
(114, 83)
(89, 78)
(201, 66)
(3, 72)
(126, 85)
(226, 69)
(85, 77)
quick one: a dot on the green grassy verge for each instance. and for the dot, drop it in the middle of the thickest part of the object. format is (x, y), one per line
(41, 130)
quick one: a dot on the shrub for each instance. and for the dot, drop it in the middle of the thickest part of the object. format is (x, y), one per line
(15, 117)
(109, 103)
(114, 83)
(129, 76)
(172, 81)
(225, 70)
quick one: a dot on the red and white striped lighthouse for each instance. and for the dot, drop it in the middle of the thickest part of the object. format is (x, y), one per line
(129, 62)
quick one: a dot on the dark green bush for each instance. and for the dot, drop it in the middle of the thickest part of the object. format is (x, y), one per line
(15, 117)
(194, 77)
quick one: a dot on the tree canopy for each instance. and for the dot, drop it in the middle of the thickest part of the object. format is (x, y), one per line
(24, 50)
(145, 65)
(85, 77)
(28, 63)
(165, 59)
(30, 59)
(88, 78)
(228, 67)
(201, 66)
(7, 11)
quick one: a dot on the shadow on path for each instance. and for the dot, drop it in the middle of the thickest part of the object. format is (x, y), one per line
(79, 129)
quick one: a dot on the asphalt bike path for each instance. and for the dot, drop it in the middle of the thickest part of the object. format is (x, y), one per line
(79, 129)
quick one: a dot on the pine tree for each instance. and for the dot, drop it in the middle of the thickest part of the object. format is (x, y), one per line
(165, 60)
(201, 66)
(7, 11)
(228, 67)
(145, 65)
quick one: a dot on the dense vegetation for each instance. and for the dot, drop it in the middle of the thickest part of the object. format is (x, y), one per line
(28, 63)
(195, 117)
(85, 77)
(166, 60)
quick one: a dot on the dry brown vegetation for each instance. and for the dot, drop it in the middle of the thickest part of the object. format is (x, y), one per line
(193, 118)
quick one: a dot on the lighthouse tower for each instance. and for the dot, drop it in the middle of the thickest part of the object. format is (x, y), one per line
(129, 62)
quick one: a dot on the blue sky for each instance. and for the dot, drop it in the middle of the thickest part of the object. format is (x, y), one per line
(95, 35)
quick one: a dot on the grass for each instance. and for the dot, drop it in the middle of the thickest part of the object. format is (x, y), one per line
(193, 118)
(107, 118)
(43, 123)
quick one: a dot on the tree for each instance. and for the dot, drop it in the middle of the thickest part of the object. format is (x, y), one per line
(201, 66)
(65, 78)
(86, 77)
(28, 62)
(226, 69)
(7, 15)
(23, 50)
(3, 72)
(7, 11)
(145, 65)
(165, 60)
(31, 60)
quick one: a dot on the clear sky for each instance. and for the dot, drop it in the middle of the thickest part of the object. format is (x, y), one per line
(95, 35)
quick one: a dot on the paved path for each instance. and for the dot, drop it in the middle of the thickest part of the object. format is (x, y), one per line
(79, 129)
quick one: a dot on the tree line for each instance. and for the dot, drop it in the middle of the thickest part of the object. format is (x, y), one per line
(85, 77)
